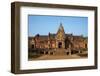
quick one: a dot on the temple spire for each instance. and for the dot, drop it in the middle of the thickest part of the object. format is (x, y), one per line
(60, 33)
(60, 23)
(61, 27)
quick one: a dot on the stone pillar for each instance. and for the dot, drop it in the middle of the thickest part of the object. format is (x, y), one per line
(69, 50)
(56, 44)
(44, 52)
(63, 44)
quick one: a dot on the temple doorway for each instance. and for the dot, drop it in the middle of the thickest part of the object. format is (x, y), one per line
(32, 45)
(60, 45)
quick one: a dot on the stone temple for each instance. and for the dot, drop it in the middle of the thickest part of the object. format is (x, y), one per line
(59, 43)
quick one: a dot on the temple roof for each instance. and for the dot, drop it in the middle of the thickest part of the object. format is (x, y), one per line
(61, 28)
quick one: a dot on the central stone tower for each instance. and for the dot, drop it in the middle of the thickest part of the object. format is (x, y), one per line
(60, 37)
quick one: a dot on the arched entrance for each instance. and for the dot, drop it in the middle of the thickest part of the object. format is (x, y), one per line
(60, 45)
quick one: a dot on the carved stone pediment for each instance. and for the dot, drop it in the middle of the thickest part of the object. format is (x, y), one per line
(60, 33)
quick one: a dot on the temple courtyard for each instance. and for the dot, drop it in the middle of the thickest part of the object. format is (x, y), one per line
(58, 54)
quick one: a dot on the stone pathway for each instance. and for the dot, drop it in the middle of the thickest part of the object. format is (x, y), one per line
(52, 57)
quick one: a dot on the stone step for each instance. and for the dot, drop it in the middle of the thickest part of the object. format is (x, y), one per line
(60, 51)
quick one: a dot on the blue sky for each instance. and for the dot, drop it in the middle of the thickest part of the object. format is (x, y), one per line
(39, 24)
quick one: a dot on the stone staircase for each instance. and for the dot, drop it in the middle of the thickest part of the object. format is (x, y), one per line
(60, 52)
